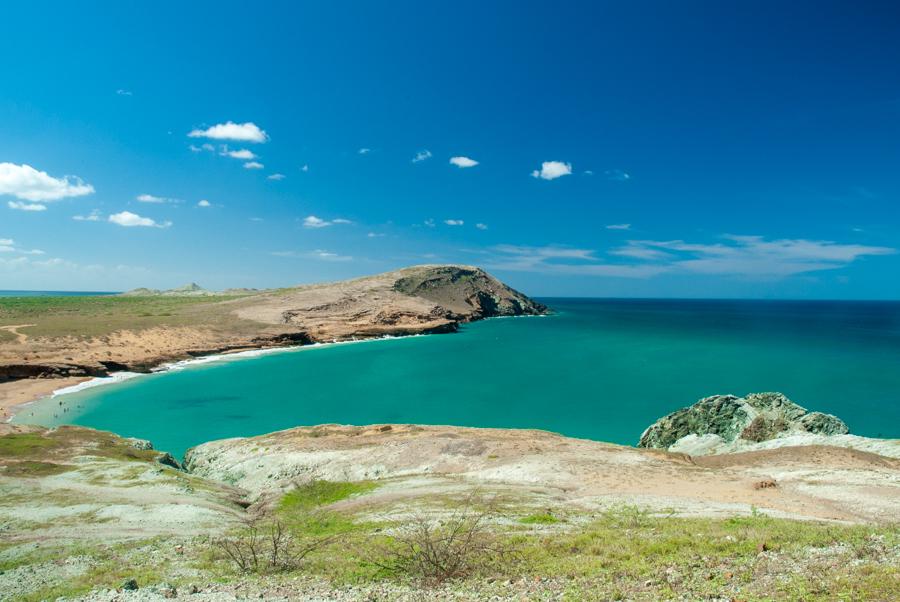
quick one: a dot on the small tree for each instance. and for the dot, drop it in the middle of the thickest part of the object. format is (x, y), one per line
(262, 546)
(456, 547)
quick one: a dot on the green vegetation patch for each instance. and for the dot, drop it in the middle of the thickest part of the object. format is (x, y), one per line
(23, 445)
(67, 442)
(542, 518)
(94, 316)
(322, 493)
(32, 469)
(305, 511)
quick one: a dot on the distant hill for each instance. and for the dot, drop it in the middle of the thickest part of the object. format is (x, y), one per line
(188, 290)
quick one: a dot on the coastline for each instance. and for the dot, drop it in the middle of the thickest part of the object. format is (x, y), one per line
(16, 395)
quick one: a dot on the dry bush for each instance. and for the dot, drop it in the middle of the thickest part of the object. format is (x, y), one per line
(456, 547)
(263, 546)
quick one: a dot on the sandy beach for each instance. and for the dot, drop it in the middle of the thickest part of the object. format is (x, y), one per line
(18, 393)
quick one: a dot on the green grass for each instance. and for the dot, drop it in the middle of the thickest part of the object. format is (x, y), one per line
(32, 469)
(101, 315)
(66, 443)
(625, 553)
(19, 445)
(543, 518)
(303, 509)
(628, 553)
(322, 493)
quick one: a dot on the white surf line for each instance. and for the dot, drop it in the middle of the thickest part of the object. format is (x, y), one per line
(117, 377)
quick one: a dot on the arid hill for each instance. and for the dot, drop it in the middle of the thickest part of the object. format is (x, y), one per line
(77, 337)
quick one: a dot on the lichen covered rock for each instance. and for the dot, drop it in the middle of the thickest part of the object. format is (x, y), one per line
(755, 418)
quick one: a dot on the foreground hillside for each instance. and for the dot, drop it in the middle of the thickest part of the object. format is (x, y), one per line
(77, 337)
(403, 512)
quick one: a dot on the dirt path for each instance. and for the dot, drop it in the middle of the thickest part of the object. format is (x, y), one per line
(20, 336)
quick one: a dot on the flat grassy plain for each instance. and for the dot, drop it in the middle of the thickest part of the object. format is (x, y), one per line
(96, 316)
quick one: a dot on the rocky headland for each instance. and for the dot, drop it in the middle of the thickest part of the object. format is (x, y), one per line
(78, 338)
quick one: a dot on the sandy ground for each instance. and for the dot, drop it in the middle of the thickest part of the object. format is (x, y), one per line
(16, 394)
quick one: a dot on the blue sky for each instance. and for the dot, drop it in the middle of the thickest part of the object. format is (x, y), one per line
(623, 149)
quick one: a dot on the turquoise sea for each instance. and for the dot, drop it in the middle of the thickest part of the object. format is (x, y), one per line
(600, 369)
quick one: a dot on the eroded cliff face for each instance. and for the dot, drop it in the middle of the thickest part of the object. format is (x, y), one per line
(420, 299)
(467, 291)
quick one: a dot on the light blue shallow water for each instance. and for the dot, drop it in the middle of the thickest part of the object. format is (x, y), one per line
(600, 369)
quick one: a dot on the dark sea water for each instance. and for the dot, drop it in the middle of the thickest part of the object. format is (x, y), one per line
(599, 369)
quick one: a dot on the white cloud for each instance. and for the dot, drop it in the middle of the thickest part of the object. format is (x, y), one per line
(429, 222)
(454, 222)
(204, 203)
(317, 254)
(129, 219)
(463, 162)
(329, 256)
(253, 165)
(149, 198)
(8, 245)
(364, 151)
(26, 206)
(550, 170)
(481, 226)
(618, 227)
(276, 176)
(93, 216)
(315, 222)
(374, 235)
(312, 221)
(744, 256)
(617, 174)
(245, 132)
(243, 153)
(122, 92)
(305, 168)
(751, 255)
(554, 259)
(422, 155)
(27, 183)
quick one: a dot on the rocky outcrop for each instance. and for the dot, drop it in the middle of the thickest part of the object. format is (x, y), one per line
(467, 288)
(728, 419)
